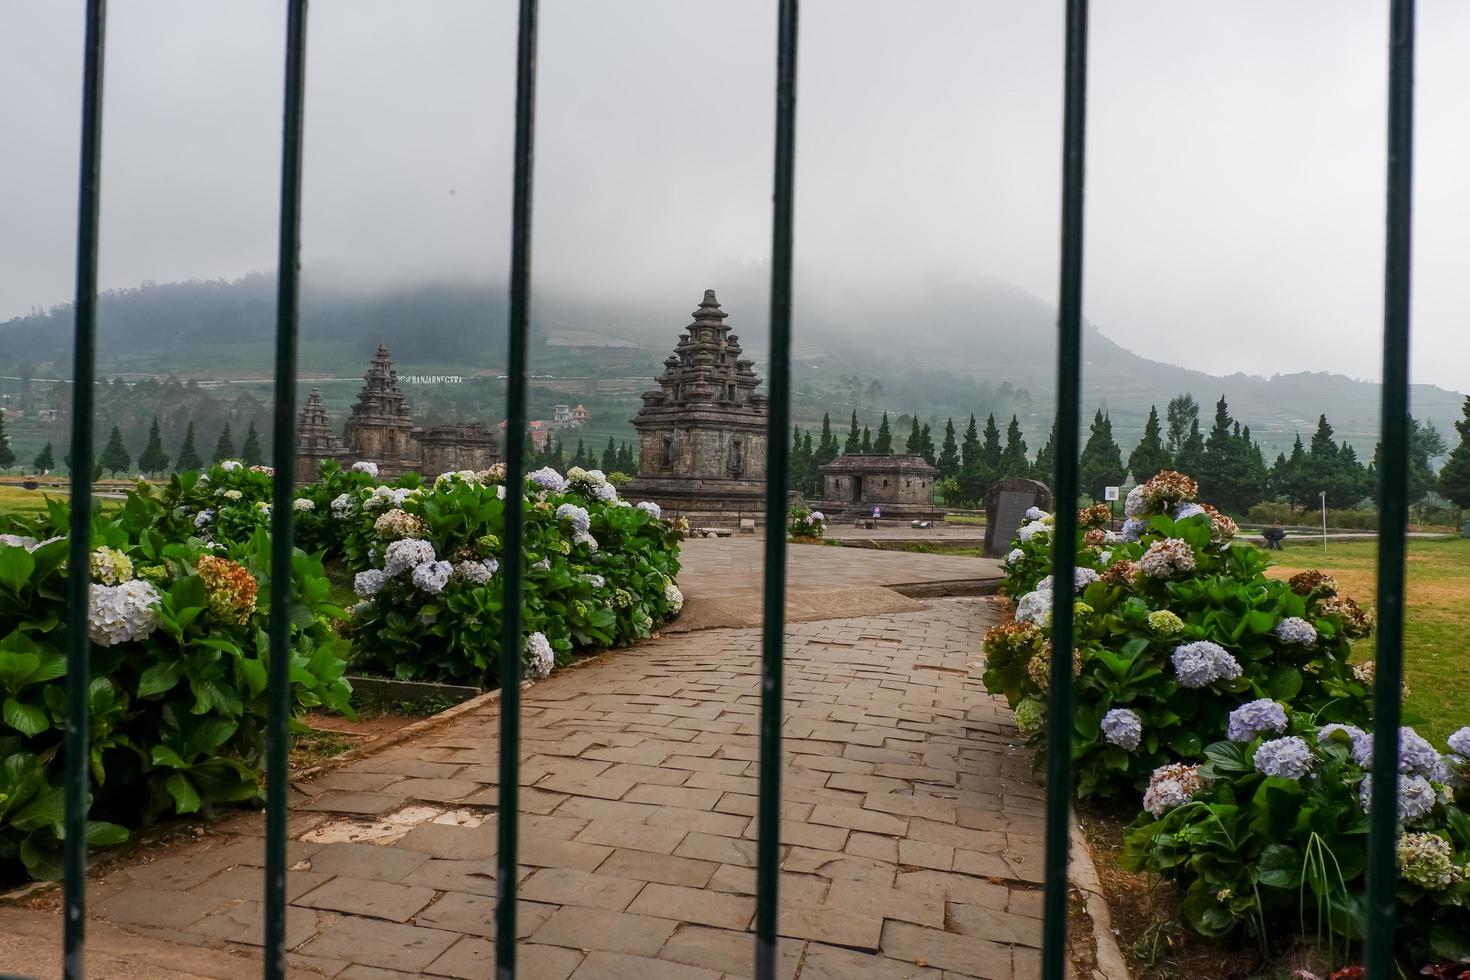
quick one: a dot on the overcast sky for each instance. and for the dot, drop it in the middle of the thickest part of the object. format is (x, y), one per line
(1235, 185)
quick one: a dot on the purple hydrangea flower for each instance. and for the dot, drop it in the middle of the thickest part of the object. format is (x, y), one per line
(1296, 631)
(1123, 728)
(1289, 758)
(1187, 510)
(1202, 662)
(1133, 529)
(1416, 756)
(1459, 742)
(1254, 717)
(1416, 797)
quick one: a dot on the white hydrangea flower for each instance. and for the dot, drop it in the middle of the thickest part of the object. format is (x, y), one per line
(366, 584)
(1035, 607)
(1134, 504)
(1035, 514)
(473, 572)
(653, 510)
(542, 657)
(122, 613)
(605, 492)
(597, 581)
(18, 541)
(587, 540)
(1015, 555)
(230, 465)
(542, 565)
(341, 504)
(303, 504)
(110, 566)
(674, 597)
(432, 576)
(229, 493)
(366, 466)
(406, 554)
(548, 479)
(491, 565)
(581, 521)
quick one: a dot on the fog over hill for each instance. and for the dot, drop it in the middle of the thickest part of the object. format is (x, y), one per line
(948, 349)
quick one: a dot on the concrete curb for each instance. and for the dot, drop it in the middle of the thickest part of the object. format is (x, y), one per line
(1084, 878)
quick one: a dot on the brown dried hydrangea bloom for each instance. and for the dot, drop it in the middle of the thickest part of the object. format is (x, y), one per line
(1312, 582)
(1095, 537)
(1222, 528)
(1356, 621)
(1012, 637)
(1038, 668)
(1122, 573)
(1169, 488)
(1096, 516)
(230, 587)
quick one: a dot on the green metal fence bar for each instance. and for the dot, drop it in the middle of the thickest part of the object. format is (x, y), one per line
(1064, 555)
(1393, 497)
(513, 561)
(778, 453)
(283, 491)
(77, 772)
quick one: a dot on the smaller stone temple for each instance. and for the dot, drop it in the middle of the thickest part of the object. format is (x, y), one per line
(381, 429)
(702, 434)
(902, 486)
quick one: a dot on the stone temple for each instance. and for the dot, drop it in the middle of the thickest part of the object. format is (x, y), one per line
(901, 486)
(702, 434)
(381, 429)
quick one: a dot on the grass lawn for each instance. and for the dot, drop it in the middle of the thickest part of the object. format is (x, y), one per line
(1436, 622)
(29, 503)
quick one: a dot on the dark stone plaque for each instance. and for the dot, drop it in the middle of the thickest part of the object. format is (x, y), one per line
(1006, 504)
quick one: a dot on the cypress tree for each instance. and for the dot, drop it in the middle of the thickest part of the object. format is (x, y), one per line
(1101, 462)
(1045, 467)
(884, 442)
(948, 463)
(626, 463)
(972, 472)
(926, 445)
(1255, 477)
(991, 453)
(854, 437)
(7, 455)
(813, 471)
(1217, 474)
(1149, 456)
(1454, 477)
(1352, 480)
(45, 461)
(153, 459)
(827, 446)
(866, 445)
(114, 456)
(610, 456)
(225, 447)
(250, 453)
(915, 444)
(1013, 461)
(188, 455)
(1183, 415)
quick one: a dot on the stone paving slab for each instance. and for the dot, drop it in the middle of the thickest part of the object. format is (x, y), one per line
(910, 838)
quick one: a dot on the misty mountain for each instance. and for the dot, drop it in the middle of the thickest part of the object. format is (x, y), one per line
(948, 350)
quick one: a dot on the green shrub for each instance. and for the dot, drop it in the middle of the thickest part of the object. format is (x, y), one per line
(1174, 628)
(179, 666)
(1269, 835)
(807, 524)
(599, 572)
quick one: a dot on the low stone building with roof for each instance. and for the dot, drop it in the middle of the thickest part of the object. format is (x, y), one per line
(702, 433)
(381, 429)
(901, 485)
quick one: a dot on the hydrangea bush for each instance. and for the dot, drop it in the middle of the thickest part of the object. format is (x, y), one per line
(599, 572)
(807, 524)
(1174, 626)
(179, 662)
(1270, 832)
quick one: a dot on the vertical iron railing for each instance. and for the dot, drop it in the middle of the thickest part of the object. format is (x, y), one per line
(78, 586)
(1064, 555)
(778, 459)
(1393, 513)
(1393, 496)
(283, 515)
(513, 561)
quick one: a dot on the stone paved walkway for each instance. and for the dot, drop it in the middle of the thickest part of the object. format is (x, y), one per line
(911, 834)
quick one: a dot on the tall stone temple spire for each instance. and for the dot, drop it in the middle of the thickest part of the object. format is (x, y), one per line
(316, 440)
(702, 434)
